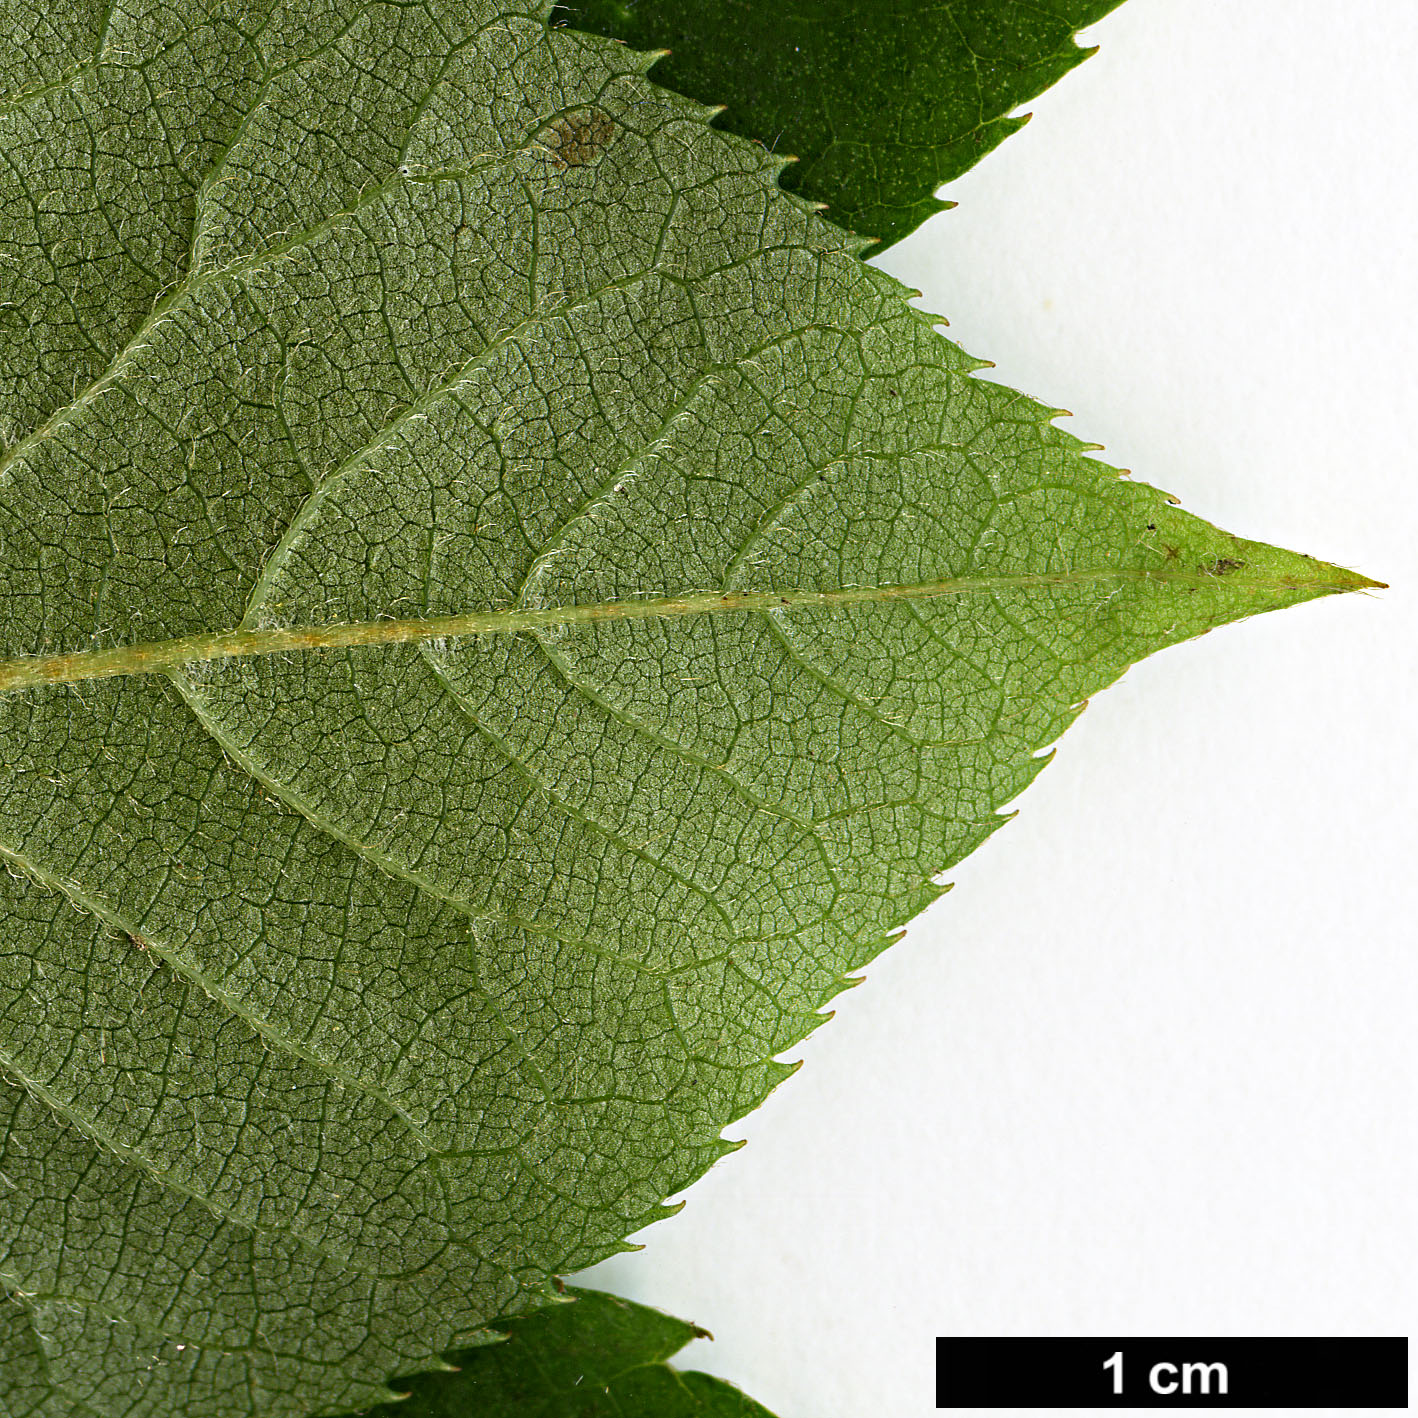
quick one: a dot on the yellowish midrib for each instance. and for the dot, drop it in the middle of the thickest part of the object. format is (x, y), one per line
(150, 657)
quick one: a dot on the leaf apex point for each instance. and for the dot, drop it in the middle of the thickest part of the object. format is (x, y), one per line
(1346, 580)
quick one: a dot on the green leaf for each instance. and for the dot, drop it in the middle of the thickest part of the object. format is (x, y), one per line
(594, 1355)
(502, 614)
(599, 1355)
(25, 1390)
(881, 101)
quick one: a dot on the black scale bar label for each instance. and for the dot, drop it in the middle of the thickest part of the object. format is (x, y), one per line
(1171, 1373)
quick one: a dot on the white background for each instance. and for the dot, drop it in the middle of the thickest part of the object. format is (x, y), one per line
(1149, 1068)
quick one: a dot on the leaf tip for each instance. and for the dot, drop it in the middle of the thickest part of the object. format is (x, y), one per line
(1347, 580)
(1294, 572)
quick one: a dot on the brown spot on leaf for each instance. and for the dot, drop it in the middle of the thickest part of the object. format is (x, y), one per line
(577, 139)
(1223, 566)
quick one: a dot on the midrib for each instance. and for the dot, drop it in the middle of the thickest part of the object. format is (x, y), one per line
(151, 657)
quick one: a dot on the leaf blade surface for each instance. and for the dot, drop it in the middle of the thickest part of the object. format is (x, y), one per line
(403, 976)
(881, 101)
(598, 1355)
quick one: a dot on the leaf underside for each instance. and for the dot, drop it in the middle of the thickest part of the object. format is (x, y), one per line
(347, 995)
(881, 101)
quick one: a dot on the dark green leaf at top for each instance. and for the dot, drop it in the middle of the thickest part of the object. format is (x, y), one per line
(599, 1357)
(881, 101)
